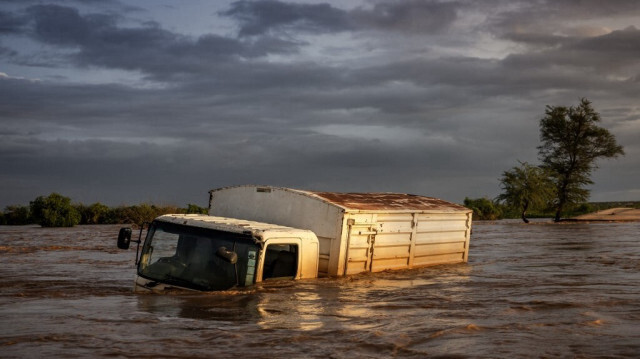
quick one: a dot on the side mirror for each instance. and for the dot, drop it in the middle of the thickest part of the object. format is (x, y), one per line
(229, 256)
(124, 238)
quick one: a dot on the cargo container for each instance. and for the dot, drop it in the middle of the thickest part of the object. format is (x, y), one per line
(358, 232)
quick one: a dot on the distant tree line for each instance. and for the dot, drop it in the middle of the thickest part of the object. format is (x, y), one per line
(56, 210)
(492, 209)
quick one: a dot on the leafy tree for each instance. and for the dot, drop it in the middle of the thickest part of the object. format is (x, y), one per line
(526, 187)
(54, 210)
(483, 208)
(139, 214)
(195, 209)
(93, 214)
(17, 215)
(571, 143)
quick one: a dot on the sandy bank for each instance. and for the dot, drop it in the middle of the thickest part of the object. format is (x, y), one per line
(611, 214)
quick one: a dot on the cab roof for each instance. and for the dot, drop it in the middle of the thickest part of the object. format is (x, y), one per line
(226, 224)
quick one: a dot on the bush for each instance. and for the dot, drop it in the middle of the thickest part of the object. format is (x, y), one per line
(139, 214)
(483, 208)
(194, 209)
(54, 211)
(17, 215)
(582, 208)
(94, 214)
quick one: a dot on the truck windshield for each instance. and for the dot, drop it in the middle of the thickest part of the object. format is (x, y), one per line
(186, 256)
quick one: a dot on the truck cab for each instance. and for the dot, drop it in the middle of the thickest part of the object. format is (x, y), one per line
(207, 253)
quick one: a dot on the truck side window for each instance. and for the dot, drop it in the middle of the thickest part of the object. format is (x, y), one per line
(281, 261)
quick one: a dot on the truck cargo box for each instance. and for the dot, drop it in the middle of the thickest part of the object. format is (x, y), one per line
(358, 232)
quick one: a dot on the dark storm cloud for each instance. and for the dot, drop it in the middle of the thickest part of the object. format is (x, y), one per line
(619, 48)
(550, 23)
(260, 17)
(600, 57)
(187, 169)
(10, 23)
(154, 51)
(409, 16)
(389, 113)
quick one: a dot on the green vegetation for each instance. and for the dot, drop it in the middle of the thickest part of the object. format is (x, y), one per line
(56, 210)
(194, 209)
(16, 214)
(483, 208)
(526, 187)
(571, 143)
(93, 214)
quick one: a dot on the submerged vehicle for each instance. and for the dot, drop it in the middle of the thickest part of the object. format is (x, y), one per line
(207, 253)
(257, 233)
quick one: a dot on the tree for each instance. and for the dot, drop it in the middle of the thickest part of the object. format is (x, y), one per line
(17, 215)
(526, 187)
(195, 209)
(54, 210)
(572, 141)
(483, 208)
(93, 214)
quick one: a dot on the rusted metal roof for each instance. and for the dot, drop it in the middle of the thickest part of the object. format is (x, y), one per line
(387, 201)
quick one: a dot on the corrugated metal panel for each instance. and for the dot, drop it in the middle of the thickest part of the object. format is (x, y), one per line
(388, 201)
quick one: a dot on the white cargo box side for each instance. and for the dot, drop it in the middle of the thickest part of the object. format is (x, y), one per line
(286, 208)
(358, 232)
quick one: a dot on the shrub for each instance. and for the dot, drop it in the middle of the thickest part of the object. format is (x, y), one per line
(483, 208)
(93, 214)
(54, 211)
(194, 209)
(17, 215)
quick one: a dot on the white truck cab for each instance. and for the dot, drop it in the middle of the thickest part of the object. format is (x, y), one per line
(208, 253)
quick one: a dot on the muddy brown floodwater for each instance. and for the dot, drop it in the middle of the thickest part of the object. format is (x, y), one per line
(540, 290)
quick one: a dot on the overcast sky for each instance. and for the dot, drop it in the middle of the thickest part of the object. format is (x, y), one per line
(160, 101)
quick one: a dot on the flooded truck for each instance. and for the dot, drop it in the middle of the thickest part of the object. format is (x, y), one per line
(207, 253)
(258, 233)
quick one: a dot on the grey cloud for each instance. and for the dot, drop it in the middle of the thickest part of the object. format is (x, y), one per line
(10, 23)
(549, 23)
(159, 53)
(144, 171)
(608, 54)
(259, 17)
(618, 48)
(64, 26)
(415, 16)
(409, 16)
(227, 115)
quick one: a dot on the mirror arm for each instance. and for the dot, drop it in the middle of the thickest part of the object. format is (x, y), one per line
(139, 241)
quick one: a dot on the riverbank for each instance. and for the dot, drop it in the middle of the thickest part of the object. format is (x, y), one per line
(620, 214)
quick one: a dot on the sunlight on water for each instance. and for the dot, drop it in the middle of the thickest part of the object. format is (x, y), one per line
(539, 290)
